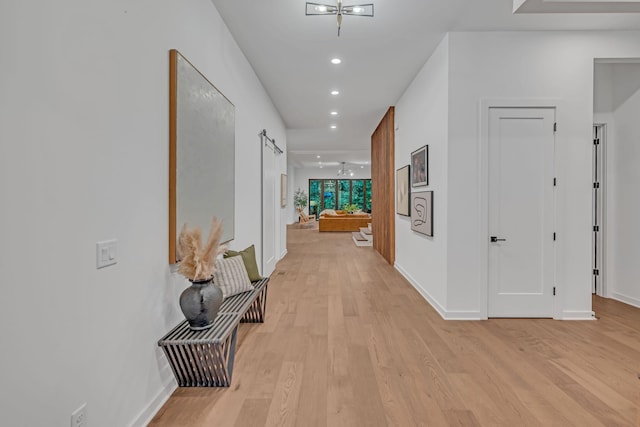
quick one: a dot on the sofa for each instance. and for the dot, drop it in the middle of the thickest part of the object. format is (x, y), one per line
(343, 221)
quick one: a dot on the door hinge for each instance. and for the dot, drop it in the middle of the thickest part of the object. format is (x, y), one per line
(596, 272)
(554, 182)
(596, 141)
(555, 126)
(554, 236)
(554, 291)
(596, 185)
(596, 228)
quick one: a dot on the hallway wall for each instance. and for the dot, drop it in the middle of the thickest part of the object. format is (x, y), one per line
(83, 158)
(503, 66)
(526, 65)
(422, 119)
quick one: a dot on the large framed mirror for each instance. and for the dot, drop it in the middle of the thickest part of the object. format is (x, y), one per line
(201, 153)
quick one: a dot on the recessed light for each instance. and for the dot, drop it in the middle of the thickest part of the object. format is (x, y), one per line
(321, 167)
(336, 61)
(333, 126)
(334, 113)
(361, 167)
(335, 92)
(317, 157)
(319, 163)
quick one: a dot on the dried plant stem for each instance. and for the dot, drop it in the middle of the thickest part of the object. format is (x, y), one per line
(198, 263)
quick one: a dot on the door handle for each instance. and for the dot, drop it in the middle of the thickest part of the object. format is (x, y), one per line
(494, 239)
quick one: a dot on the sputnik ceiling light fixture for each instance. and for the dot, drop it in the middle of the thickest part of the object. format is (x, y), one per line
(339, 10)
(343, 172)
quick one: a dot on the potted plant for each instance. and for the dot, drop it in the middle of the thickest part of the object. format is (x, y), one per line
(300, 199)
(350, 208)
(201, 301)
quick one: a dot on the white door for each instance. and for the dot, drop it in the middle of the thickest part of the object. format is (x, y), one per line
(521, 212)
(268, 209)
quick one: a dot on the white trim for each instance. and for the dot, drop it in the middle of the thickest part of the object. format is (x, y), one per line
(483, 192)
(605, 274)
(577, 315)
(284, 253)
(444, 313)
(625, 299)
(147, 414)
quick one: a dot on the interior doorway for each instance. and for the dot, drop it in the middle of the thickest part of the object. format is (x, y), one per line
(521, 241)
(616, 176)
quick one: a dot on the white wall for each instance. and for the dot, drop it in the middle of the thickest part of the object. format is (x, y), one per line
(303, 175)
(509, 66)
(84, 157)
(617, 104)
(421, 118)
(526, 65)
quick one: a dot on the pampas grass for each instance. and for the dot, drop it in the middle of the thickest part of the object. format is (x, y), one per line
(197, 262)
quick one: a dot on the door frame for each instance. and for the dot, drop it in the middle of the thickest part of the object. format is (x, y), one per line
(483, 196)
(604, 270)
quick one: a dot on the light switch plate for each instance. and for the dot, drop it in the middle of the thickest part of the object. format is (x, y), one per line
(106, 253)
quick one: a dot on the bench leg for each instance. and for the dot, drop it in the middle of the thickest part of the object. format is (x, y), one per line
(203, 365)
(255, 313)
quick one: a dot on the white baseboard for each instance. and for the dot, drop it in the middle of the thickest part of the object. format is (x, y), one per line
(147, 414)
(283, 254)
(577, 315)
(443, 312)
(626, 299)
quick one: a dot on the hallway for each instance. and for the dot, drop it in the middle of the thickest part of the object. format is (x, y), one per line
(348, 342)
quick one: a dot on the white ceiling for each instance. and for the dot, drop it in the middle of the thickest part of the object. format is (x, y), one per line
(291, 54)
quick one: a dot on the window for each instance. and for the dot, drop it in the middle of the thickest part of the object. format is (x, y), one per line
(315, 196)
(329, 194)
(335, 194)
(344, 193)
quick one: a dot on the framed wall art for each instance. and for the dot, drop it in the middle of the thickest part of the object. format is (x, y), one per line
(201, 153)
(420, 167)
(402, 191)
(422, 212)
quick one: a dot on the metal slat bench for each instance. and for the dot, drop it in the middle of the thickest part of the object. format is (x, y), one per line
(205, 358)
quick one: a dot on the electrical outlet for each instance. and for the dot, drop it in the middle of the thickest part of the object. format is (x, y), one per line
(79, 417)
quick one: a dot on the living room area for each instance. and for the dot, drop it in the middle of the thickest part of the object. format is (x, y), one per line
(332, 196)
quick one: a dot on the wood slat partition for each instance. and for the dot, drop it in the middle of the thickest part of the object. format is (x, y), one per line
(383, 187)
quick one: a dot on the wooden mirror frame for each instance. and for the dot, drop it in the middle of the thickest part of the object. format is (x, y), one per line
(205, 185)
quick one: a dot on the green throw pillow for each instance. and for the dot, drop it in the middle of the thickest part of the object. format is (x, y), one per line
(249, 258)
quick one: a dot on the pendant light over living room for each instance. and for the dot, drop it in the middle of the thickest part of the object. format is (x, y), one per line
(343, 172)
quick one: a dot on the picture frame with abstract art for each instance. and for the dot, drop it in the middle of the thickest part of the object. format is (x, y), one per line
(420, 167)
(403, 193)
(283, 190)
(422, 212)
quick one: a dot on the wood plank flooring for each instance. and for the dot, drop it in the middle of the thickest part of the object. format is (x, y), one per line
(348, 342)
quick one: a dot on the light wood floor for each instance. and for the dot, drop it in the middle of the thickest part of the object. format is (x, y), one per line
(348, 342)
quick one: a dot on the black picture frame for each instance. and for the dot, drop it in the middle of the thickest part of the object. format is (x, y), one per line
(420, 167)
(403, 191)
(422, 212)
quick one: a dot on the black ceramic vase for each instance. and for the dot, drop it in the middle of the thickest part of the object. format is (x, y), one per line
(200, 304)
